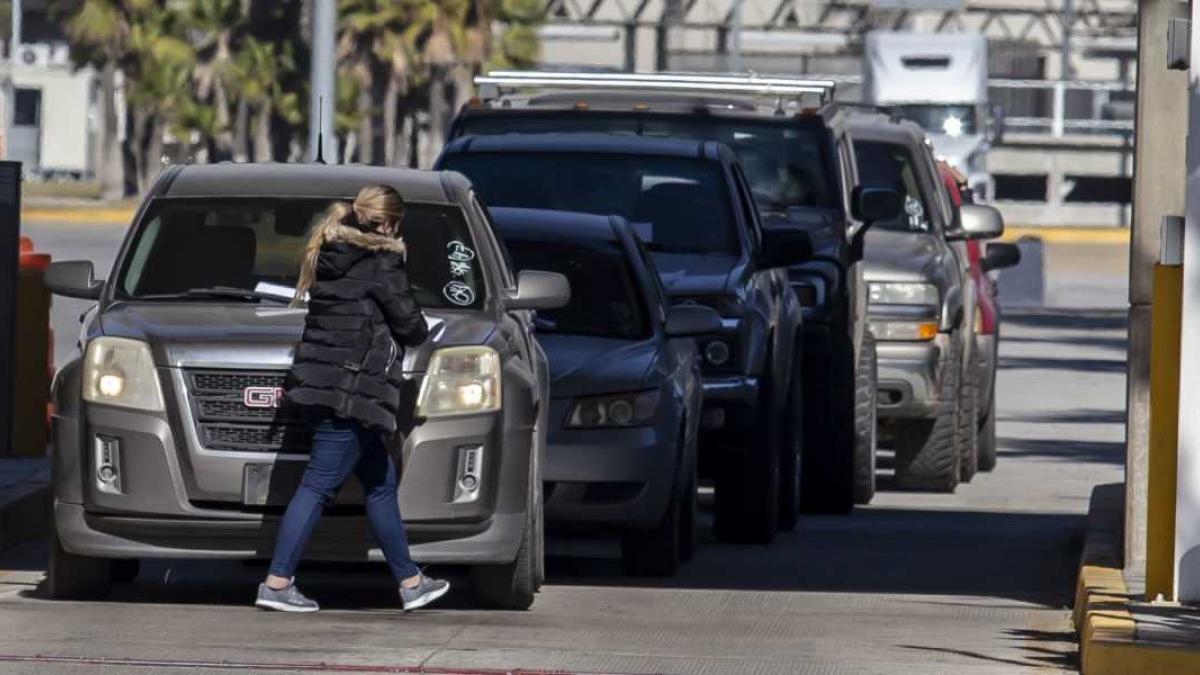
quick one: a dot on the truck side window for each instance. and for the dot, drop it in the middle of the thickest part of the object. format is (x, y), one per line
(506, 275)
(892, 166)
(747, 205)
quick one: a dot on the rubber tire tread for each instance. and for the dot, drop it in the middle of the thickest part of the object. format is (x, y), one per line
(689, 517)
(866, 423)
(827, 473)
(76, 577)
(791, 457)
(966, 431)
(926, 451)
(987, 438)
(512, 586)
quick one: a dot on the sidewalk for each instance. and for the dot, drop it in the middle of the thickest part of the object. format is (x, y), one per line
(1118, 633)
(24, 499)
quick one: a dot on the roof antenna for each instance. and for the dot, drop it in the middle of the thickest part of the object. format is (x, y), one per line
(320, 158)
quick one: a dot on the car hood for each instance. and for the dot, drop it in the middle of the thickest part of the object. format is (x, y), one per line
(585, 366)
(194, 334)
(685, 274)
(898, 256)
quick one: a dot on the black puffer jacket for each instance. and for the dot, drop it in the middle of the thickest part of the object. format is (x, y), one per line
(361, 315)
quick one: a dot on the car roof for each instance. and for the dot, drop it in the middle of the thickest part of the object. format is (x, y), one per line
(880, 127)
(334, 181)
(558, 225)
(588, 142)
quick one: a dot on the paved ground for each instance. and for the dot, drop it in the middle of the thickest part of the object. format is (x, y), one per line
(976, 583)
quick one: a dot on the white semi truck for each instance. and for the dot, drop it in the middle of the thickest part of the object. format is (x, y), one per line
(939, 82)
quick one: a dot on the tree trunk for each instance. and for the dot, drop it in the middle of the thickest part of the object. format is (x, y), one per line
(391, 112)
(263, 151)
(366, 121)
(152, 165)
(241, 131)
(129, 154)
(439, 113)
(109, 164)
(223, 142)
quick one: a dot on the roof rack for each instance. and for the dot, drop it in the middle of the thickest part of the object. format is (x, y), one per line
(495, 84)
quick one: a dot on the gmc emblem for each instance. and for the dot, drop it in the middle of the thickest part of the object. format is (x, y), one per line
(262, 397)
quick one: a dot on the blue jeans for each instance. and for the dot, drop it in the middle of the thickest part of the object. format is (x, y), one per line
(339, 447)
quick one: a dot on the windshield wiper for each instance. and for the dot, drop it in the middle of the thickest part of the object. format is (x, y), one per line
(217, 292)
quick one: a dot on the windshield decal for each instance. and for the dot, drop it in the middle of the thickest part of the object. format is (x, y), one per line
(459, 293)
(456, 251)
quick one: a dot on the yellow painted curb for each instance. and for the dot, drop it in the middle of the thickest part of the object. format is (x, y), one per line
(81, 214)
(1108, 634)
(1069, 235)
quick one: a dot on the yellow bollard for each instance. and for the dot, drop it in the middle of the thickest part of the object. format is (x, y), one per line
(1164, 430)
(31, 363)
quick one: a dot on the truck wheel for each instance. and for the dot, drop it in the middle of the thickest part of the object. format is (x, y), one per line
(926, 452)
(655, 552)
(866, 425)
(791, 459)
(966, 433)
(76, 577)
(828, 459)
(125, 570)
(987, 438)
(513, 585)
(688, 520)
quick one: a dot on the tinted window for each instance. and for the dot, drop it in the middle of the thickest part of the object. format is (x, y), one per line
(605, 300)
(887, 165)
(786, 164)
(676, 205)
(241, 243)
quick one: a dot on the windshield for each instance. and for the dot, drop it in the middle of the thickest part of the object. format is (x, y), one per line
(612, 309)
(887, 165)
(676, 205)
(786, 165)
(951, 120)
(257, 244)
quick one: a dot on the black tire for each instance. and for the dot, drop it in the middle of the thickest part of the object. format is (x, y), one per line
(688, 518)
(926, 452)
(987, 438)
(76, 577)
(791, 458)
(827, 474)
(866, 423)
(539, 523)
(513, 585)
(966, 433)
(655, 552)
(125, 570)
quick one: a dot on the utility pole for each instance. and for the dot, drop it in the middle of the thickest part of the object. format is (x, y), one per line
(668, 30)
(10, 88)
(322, 143)
(735, 42)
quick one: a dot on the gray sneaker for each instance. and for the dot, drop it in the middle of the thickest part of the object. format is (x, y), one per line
(288, 599)
(425, 592)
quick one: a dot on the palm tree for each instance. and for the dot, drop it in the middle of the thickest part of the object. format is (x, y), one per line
(156, 86)
(214, 27)
(259, 67)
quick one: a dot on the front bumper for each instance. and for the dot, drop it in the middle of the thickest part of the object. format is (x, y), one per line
(910, 377)
(621, 478)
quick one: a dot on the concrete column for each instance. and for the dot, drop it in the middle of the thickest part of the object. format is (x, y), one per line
(1187, 498)
(1158, 190)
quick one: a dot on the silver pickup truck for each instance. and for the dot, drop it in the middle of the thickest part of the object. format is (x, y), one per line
(168, 439)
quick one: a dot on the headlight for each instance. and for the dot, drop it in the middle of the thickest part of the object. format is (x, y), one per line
(120, 372)
(618, 410)
(460, 381)
(716, 352)
(904, 330)
(896, 293)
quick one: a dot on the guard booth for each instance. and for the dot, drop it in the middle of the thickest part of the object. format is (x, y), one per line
(10, 253)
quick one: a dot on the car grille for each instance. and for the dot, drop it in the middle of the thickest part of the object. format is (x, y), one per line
(224, 421)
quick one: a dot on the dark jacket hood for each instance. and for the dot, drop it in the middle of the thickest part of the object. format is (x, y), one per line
(344, 246)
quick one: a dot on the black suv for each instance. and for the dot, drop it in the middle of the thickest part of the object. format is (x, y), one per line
(800, 167)
(690, 203)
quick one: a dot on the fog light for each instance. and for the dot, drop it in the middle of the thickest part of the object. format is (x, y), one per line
(470, 471)
(716, 353)
(469, 482)
(107, 451)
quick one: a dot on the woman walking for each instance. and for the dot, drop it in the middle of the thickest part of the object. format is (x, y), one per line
(346, 380)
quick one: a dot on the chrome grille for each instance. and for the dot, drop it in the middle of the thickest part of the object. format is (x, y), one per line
(224, 422)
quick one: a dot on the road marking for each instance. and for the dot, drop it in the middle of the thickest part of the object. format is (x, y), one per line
(79, 215)
(1069, 235)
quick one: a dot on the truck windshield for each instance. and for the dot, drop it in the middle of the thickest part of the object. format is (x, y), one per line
(888, 165)
(787, 165)
(676, 205)
(213, 247)
(611, 309)
(951, 120)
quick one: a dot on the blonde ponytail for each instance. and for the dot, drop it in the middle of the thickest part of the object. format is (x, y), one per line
(339, 213)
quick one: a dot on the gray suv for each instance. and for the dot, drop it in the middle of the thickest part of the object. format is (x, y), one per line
(168, 439)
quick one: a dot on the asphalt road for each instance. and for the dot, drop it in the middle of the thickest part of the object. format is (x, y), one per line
(973, 583)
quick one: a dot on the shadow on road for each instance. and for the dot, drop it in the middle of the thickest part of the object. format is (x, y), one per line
(1077, 416)
(1067, 319)
(1076, 365)
(1110, 452)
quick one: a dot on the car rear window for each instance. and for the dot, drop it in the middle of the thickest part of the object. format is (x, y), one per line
(890, 165)
(245, 243)
(787, 165)
(676, 205)
(612, 309)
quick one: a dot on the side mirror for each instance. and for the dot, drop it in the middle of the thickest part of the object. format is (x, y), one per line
(73, 279)
(978, 222)
(539, 290)
(872, 204)
(688, 320)
(1000, 256)
(785, 246)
